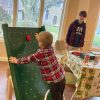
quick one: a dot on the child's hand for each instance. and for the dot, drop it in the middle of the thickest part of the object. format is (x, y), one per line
(37, 36)
(66, 46)
(13, 60)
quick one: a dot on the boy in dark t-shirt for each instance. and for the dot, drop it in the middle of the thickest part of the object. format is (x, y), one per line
(76, 33)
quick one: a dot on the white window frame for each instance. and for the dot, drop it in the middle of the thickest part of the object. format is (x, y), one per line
(15, 2)
(15, 8)
(42, 12)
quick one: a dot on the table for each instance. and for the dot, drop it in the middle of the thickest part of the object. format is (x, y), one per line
(88, 76)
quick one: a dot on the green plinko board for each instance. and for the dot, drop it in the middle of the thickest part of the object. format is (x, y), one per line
(27, 81)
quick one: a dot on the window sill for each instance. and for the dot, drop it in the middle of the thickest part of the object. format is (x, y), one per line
(95, 49)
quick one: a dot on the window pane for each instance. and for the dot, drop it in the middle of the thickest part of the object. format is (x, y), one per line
(6, 13)
(96, 41)
(52, 16)
(28, 13)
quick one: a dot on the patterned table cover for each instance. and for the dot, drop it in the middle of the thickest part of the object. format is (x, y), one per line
(75, 63)
(88, 76)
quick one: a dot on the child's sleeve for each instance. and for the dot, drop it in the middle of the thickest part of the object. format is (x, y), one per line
(28, 59)
(69, 32)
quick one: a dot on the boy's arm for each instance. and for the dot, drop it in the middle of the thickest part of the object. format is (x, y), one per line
(25, 60)
(31, 58)
(69, 32)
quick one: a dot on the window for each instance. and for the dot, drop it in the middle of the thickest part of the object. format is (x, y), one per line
(28, 13)
(55, 8)
(54, 20)
(6, 13)
(96, 41)
(47, 14)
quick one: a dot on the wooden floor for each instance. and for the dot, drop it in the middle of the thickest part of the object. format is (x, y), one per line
(3, 85)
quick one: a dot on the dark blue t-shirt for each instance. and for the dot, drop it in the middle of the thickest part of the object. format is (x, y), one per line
(78, 35)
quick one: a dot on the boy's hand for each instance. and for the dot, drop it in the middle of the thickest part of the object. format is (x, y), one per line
(37, 36)
(66, 46)
(13, 60)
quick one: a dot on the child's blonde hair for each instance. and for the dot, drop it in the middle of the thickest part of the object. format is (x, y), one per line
(46, 38)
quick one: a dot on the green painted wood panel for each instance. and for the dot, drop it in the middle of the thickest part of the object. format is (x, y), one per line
(28, 84)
